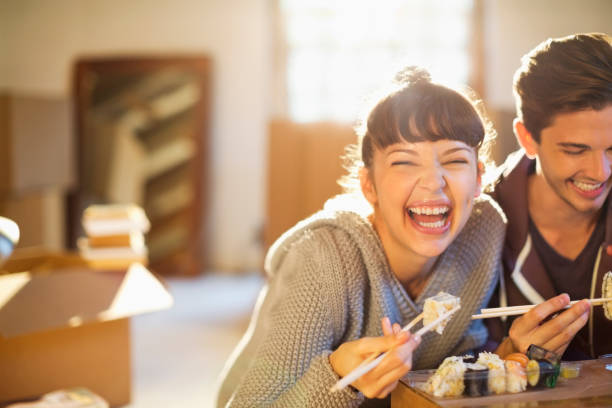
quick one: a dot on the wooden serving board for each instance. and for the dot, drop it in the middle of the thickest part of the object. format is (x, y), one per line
(593, 388)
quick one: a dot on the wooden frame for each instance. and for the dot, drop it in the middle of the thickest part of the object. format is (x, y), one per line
(112, 92)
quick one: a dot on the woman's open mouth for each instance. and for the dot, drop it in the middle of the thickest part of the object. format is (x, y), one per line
(430, 219)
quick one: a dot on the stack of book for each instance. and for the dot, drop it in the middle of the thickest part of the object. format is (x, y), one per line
(115, 235)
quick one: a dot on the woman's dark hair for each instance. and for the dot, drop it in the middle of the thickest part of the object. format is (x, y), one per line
(416, 110)
(563, 75)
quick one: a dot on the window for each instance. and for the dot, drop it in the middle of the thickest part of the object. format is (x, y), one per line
(339, 51)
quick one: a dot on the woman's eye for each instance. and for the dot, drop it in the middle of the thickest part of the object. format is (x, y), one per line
(402, 163)
(456, 161)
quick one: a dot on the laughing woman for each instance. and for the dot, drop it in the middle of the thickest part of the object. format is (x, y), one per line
(339, 278)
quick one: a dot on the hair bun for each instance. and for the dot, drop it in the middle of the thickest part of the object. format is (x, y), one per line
(412, 75)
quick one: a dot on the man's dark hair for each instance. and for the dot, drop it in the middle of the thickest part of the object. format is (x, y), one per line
(563, 75)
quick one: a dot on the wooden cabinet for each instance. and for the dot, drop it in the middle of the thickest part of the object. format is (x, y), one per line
(142, 137)
(304, 165)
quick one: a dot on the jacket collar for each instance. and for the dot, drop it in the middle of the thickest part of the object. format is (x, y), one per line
(528, 273)
(511, 192)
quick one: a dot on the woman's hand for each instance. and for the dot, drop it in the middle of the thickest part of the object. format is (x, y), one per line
(554, 334)
(382, 379)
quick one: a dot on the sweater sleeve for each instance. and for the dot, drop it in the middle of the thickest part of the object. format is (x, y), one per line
(296, 332)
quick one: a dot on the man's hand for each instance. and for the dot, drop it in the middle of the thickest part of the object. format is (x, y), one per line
(554, 334)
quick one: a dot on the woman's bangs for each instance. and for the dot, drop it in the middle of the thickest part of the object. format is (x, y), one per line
(453, 120)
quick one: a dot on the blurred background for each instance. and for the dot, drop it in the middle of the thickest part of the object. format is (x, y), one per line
(224, 120)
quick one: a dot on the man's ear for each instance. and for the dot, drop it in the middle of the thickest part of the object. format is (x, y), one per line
(525, 139)
(367, 186)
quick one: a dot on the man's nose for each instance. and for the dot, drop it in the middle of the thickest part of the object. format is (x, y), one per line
(601, 167)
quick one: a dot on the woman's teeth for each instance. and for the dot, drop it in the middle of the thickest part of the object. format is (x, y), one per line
(437, 224)
(586, 186)
(430, 217)
(429, 210)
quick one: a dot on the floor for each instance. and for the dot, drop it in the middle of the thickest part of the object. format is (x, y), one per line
(178, 353)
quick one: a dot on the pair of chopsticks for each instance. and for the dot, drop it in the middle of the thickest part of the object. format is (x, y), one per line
(518, 310)
(369, 364)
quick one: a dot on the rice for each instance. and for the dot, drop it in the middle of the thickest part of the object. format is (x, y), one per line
(447, 381)
(606, 292)
(516, 377)
(497, 371)
(435, 306)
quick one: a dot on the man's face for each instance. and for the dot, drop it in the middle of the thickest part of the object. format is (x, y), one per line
(575, 158)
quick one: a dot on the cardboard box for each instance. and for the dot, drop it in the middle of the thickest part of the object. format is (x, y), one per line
(41, 216)
(36, 143)
(66, 326)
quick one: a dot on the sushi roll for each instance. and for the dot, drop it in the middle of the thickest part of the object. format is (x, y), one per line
(476, 379)
(541, 373)
(606, 292)
(447, 381)
(436, 306)
(497, 371)
(516, 377)
(539, 353)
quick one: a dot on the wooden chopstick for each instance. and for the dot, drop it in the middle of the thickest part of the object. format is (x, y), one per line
(413, 322)
(522, 309)
(366, 367)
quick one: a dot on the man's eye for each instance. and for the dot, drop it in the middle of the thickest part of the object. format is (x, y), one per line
(402, 163)
(573, 152)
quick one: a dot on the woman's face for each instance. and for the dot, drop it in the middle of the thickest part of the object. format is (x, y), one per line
(422, 194)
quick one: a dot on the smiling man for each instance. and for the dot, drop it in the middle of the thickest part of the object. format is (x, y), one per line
(555, 194)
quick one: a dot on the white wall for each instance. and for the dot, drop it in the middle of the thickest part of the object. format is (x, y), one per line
(512, 28)
(40, 39)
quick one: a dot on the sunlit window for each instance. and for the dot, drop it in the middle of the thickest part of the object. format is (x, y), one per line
(339, 51)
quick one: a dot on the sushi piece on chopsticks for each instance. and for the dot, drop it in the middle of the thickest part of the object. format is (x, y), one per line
(606, 292)
(435, 306)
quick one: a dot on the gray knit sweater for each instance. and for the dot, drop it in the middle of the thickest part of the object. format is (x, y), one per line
(330, 283)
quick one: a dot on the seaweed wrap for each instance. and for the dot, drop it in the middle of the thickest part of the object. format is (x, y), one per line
(476, 380)
(469, 359)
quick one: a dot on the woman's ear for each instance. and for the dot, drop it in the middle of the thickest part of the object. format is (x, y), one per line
(525, 139)
(479, 173)
(367, 186)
